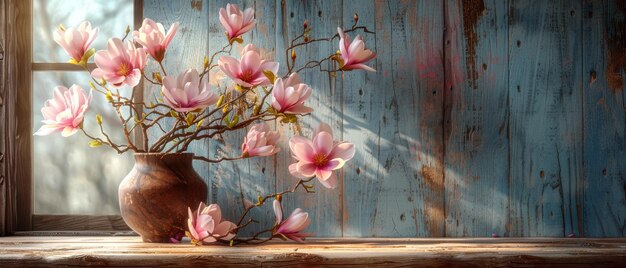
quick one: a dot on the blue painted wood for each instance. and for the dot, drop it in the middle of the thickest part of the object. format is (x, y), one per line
(395, 185)
(477, 145)
(462, 131)
(604, 32)
(325, 206)
(545, 90)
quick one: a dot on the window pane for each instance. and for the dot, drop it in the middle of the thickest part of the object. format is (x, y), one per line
(70, 177)
(111, 16)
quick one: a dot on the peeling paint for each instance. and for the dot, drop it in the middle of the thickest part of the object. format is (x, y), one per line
(196, 4)
(616, 44)
(472, 11)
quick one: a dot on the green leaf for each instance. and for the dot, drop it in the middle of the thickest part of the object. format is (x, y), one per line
(199, 124)
(99, 119)
(270, 76)
(95, 143)
(189, 119)
(173, 114)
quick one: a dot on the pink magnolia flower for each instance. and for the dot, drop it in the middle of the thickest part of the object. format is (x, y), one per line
(319, 157)
(293, 225)
(288, 97)
(76, 41)
(248, 72)
(260, 141)
(235, 21)
(206, 225)
(65, 112)
(120, 65)
(152, 37)
(186, 92)
(354, 54)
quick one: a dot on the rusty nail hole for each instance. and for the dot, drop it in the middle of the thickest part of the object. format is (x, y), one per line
(319, 13)
(434, 92)
(593, 75)
(484, 66)
(402, 217)
(263, 170)
(291, 14)
(542, 174)
(572, 12)
(358, 171)
(604, 172)
(519, 43)
(360, 92)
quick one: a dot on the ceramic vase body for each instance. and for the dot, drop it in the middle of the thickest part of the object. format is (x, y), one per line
(155, 195)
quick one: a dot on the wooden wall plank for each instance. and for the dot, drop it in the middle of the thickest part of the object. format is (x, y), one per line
(235, 184)
(186, 50)
(545, 117)
(325, 206)
(604, 37)
(395, 185)
(477, 168)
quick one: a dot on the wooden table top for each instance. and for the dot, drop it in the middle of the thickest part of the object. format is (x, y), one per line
(376, 252)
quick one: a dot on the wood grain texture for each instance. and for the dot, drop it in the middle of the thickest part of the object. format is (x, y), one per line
(545, 89)
(4, 190)
(128, 251)
(79, 223)
(476, 156)
(395, 185)
(16, 103)
(325, 206)
(604, 35)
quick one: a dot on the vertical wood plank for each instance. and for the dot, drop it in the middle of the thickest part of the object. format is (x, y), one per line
(16, 103)
(395, 185)
(186, 50)
(325, 206)
(476, 124)
(546, 117)
(604, 37)
(235, 184)
(4, 193)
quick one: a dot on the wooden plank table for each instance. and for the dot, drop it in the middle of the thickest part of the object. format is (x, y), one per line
(376, 252)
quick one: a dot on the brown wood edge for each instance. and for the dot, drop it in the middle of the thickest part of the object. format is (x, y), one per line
(70, 223)
(138, 90)
(16, 201)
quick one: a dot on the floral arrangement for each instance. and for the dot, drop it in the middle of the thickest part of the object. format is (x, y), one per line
(258, 94)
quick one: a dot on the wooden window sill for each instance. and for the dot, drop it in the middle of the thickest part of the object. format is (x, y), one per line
(129, 251)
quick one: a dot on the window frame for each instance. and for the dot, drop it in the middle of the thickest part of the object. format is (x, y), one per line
(16, 144)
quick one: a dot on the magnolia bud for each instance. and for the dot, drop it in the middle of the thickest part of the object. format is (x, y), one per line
(279, 198)
(293, 54)
(356, 18)
(306, 24)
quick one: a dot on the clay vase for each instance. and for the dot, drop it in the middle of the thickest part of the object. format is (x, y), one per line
(155, 195)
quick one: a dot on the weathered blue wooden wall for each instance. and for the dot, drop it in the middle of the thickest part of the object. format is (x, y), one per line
(485, 117)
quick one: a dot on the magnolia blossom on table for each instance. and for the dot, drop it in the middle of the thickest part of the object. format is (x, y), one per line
(289, 96)
(260, 141)
(206, 225)
(248, 71)
(319, 157)
(121, 64)
(235, 21)
(152, 37)
(353, 53)
(186, 92)
(76, 41)
(65, 112)
(293, 226)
